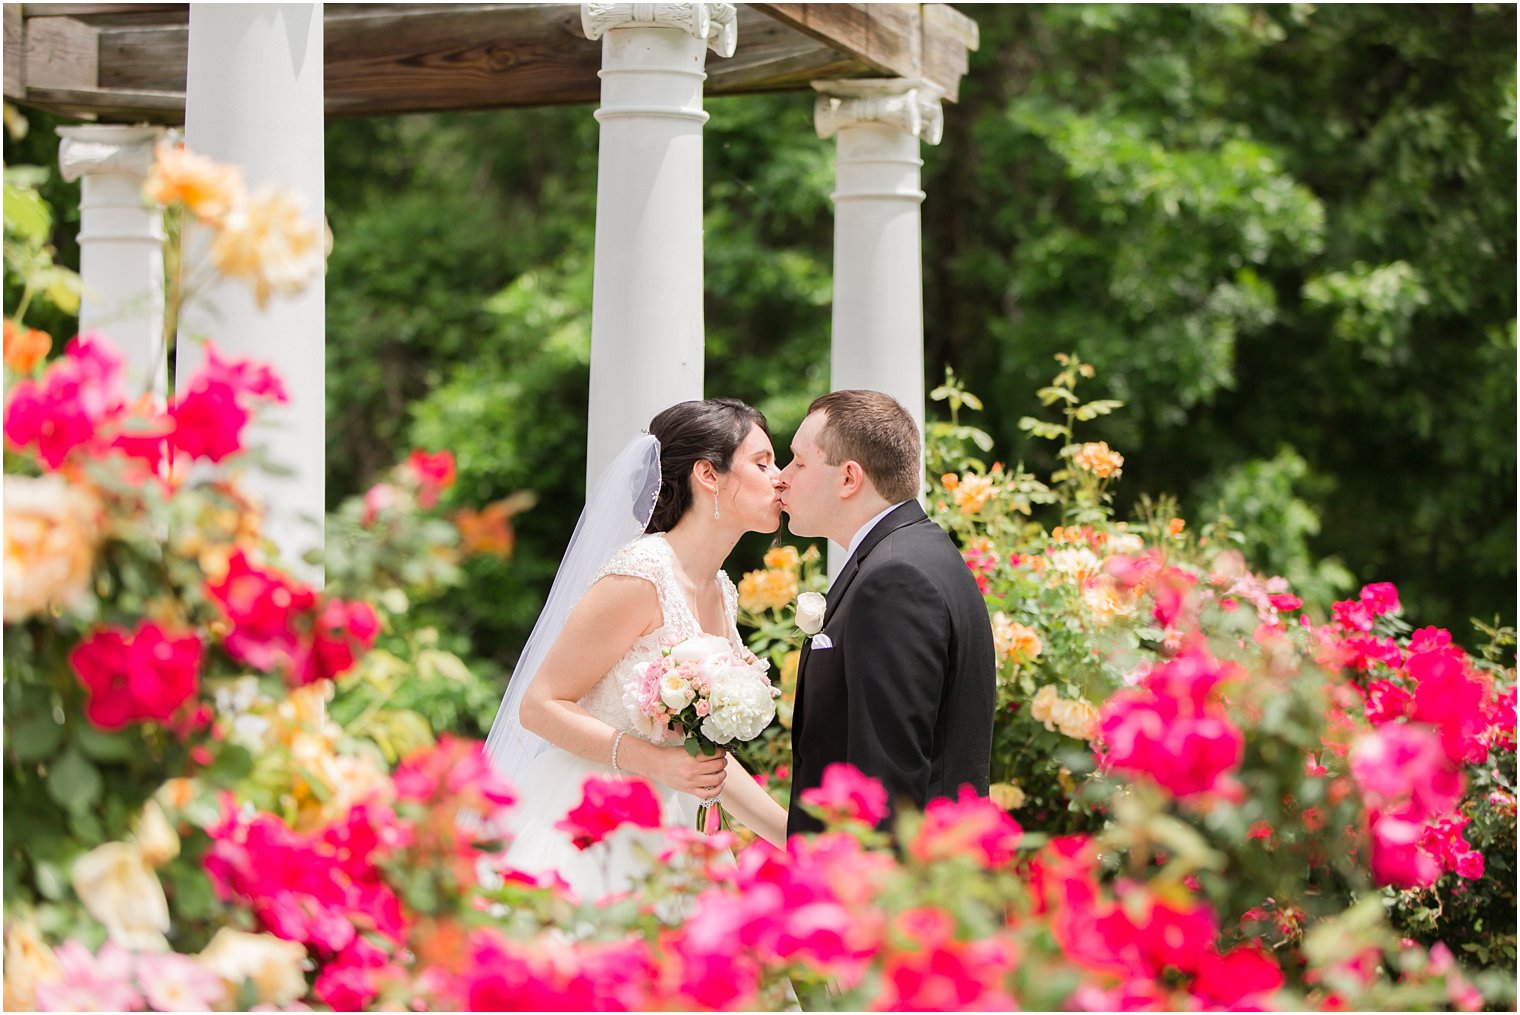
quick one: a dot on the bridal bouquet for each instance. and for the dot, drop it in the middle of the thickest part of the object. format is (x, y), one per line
(709, 691)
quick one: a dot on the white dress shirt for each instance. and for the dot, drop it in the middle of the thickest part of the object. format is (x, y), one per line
(865, 530)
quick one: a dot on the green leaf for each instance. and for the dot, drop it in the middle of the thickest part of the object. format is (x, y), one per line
(1099, 407)
(232, 764)
(35, 739)
(52, 882)
(26, 214)
(73, 782)
(61, 287)
(1040, 428)
(1049, 395)
(691, 746)
(103, 746)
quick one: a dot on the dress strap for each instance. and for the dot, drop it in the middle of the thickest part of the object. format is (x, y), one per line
(731, 608)
(649, 557)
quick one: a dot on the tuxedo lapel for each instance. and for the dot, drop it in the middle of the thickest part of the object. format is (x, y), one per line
(905, 514)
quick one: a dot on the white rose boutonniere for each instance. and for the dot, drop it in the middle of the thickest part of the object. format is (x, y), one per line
(810, 609)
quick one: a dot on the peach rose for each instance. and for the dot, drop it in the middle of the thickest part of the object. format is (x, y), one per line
(1099, 459)
(273, 244)
(208, 189)
(51, 529)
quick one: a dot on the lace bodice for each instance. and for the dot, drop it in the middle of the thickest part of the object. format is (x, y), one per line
(651, 558)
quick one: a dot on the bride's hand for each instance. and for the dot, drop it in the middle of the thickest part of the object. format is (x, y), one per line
(701, 776)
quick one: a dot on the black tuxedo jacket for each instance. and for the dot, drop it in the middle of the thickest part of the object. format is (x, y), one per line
(906, 693)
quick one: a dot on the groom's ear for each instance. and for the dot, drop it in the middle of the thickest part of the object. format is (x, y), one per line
(852, 478)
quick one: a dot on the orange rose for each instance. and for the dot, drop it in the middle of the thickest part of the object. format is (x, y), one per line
(770, 589)
(25, 347)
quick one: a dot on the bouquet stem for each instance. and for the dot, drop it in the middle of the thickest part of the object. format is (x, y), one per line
(709, 816)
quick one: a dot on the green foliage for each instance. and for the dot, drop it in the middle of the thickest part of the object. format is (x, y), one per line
(1269, 225)
(1268, 507)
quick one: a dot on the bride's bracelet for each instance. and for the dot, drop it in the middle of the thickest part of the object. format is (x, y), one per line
(615, 741)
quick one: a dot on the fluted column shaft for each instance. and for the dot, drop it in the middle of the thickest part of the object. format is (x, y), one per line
(878, 321)
(646, 317)
(121, 246)
(254, 99)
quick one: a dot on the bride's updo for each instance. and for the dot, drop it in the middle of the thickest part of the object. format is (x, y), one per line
(691, 432)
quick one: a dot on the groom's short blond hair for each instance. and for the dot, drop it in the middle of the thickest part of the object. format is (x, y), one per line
(874, 430)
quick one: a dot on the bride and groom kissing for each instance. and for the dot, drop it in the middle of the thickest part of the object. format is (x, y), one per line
(898, 681)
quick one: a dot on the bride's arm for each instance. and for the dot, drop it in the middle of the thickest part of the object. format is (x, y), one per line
(614, 613)
(748, 801)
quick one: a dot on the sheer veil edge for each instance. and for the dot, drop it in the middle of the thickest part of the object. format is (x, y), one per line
(617, 511)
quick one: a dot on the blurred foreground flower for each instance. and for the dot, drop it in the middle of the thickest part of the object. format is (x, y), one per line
(25, 347)
(51, 531)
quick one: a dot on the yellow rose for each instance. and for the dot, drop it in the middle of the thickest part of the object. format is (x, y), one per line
(788, 700)
(1007, 795)
(785, 557)
(51, 529)
(119, 889)
(771, 589)
(271, 243)
(1075, 718)
(272, 965)
(1044, 700)
(28, 962)
(1107, 600)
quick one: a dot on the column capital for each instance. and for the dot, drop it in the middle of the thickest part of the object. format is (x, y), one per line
(717, 24)
(105, 148)
(911, 106)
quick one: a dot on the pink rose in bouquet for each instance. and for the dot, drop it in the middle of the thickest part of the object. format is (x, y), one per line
(709, 691)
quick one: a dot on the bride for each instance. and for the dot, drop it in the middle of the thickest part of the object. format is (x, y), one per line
(642, 573)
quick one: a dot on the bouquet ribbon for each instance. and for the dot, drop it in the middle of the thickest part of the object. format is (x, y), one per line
(709, 816)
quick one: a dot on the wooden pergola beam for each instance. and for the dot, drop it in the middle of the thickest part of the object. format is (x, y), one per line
(127, 61)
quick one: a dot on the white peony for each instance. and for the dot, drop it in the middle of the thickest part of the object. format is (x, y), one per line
(676, 691)
(741, 704)
(694, 650)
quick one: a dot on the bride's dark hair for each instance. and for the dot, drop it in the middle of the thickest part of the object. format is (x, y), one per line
(691, 432)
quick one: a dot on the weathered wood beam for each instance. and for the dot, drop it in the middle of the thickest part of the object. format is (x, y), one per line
(15, 53)
(128, 60)
(61, 53)
(925, 41)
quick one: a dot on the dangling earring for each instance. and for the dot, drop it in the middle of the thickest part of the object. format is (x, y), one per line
(715, 504)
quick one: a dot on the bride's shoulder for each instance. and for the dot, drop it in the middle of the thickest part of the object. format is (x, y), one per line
(644, 557)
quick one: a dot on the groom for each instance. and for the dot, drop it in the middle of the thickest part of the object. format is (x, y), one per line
(899, 682)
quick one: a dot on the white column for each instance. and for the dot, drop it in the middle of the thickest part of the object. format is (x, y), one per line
(878, 326)
(121, 246)
(254, 99)
(646, 311)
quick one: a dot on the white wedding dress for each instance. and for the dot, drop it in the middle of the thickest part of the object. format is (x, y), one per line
(551, 785)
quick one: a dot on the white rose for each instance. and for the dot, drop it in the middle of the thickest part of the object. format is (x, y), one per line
(694, 650)
(272, 965)
(116, 885)
(741, 706)
(810, 610)
(676, 692)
